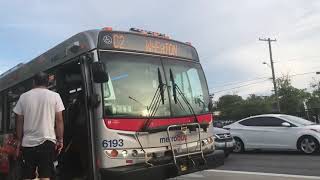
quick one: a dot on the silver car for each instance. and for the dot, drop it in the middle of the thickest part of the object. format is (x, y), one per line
(275, 132)
(223, 140)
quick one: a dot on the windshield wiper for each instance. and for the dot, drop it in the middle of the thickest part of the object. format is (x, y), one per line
(161, 86)
(159, 94)
(175, 89)
(155, 102)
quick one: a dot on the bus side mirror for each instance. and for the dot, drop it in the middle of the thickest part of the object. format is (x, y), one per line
(99, 72)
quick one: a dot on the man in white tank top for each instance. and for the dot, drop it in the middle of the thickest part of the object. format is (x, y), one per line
(39, 128)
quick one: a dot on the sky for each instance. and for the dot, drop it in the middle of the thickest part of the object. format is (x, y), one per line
(225, 33)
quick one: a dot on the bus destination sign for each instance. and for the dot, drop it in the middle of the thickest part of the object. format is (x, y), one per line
(149, 44)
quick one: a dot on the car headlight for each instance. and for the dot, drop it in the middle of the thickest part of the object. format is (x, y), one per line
(316, 130)
(216, 137)
(223, 136)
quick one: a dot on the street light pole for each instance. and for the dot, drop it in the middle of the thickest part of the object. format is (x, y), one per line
(272, 69)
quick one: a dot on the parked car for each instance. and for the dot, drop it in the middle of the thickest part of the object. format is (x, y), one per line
(275, 132)
(223, 140)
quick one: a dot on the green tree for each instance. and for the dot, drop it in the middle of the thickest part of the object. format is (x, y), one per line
(291, 99)
(234, 107)
(314, 100)
(255, 105)
(228, 105)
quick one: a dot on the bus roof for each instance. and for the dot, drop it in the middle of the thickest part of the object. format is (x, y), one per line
(68, 49)
(90, 40)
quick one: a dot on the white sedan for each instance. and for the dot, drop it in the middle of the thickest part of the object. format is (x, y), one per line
(223, 140)
(275, 132)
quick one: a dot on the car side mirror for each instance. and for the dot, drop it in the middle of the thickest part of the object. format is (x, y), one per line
(99, 72)
(285, 124)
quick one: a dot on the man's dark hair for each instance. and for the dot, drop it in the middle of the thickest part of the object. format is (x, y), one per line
(41, 79)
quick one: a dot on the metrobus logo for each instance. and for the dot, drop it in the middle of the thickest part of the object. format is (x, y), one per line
(179, 137)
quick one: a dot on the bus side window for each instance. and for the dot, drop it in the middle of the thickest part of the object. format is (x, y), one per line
(52, 83)
(13, 97)
(12, 122)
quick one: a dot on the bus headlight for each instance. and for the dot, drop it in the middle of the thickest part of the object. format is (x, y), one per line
(124, 153)
(145, 113)
(205, 142)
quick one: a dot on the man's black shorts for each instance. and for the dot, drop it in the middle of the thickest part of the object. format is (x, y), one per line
(40, 157)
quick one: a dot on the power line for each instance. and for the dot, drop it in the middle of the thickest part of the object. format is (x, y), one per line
(258, 78)
(239, 82)
(300, 74)
(240, 86)
(296, 59)
(236, 87)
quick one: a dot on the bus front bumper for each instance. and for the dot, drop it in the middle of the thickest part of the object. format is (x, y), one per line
(161, 171)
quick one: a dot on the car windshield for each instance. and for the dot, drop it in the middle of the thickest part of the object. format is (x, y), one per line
(134, 81)
(297, 120)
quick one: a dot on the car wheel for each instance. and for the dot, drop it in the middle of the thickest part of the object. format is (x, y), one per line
(239, 146)
(308, 144)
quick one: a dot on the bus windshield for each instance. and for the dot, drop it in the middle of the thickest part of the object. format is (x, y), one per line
(134, 81)
(190, 82)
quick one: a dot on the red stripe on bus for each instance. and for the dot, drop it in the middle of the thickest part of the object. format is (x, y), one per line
(135, 124)
(125, 124)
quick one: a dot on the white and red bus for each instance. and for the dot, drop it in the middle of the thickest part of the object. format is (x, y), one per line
(137, 106)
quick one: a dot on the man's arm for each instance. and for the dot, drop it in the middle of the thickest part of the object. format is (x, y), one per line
(59, 126)
(59, 130)
(19, 132)
(19, 127)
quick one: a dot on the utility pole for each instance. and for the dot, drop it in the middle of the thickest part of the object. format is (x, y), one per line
(272, 68)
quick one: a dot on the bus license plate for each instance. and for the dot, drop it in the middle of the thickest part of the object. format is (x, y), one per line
(229, 144)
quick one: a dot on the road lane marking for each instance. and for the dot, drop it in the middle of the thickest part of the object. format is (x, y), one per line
(264, 174)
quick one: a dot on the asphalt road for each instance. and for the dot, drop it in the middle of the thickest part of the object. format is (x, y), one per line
(263, 166)
(293, 163)
(236, 175)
